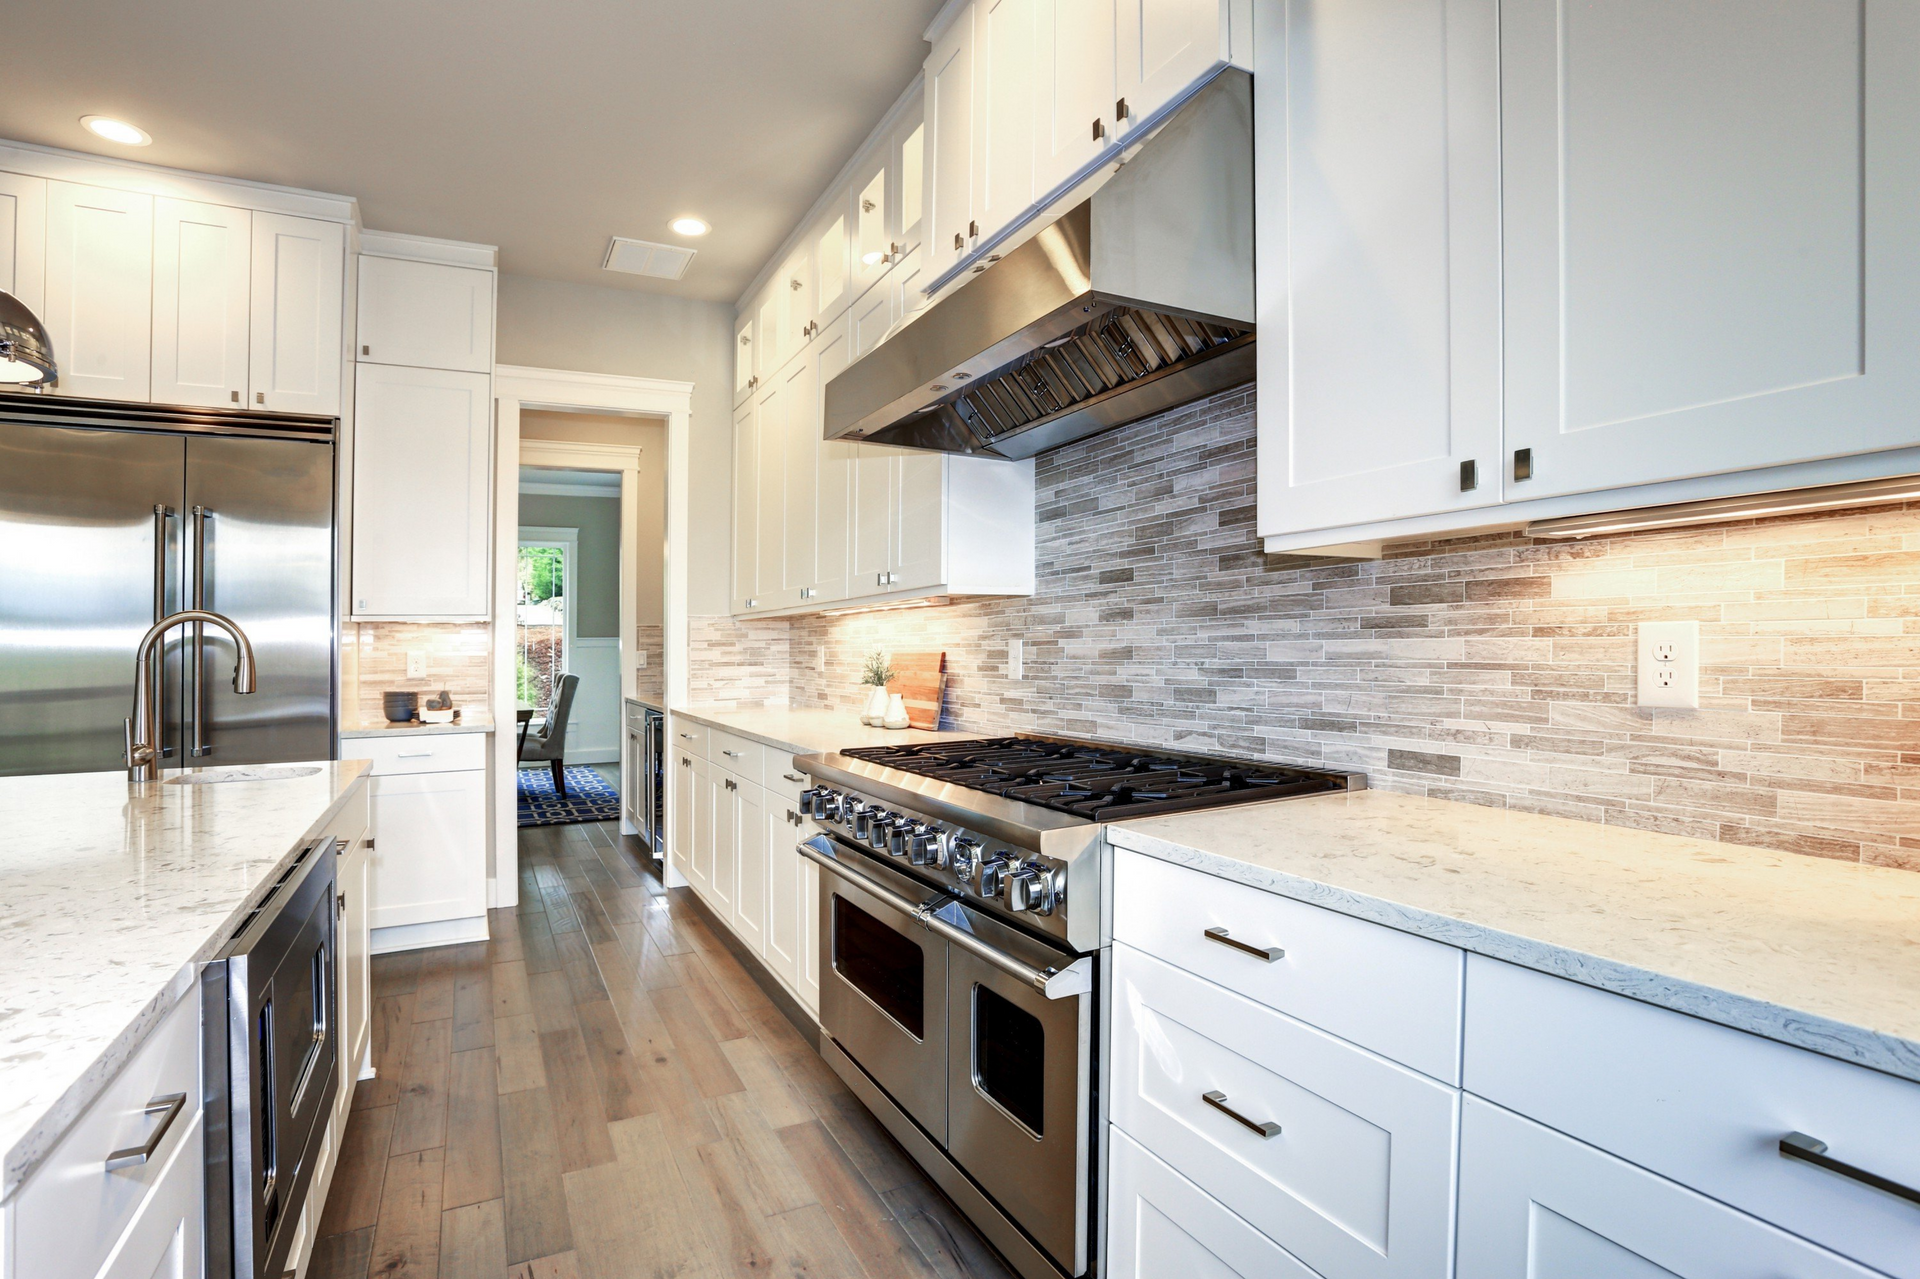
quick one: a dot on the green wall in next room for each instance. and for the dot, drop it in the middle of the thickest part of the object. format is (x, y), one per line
(597, 594)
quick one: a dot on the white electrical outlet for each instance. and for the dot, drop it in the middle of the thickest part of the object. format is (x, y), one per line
(1016, 665)
(416, 664)
(640, 657)
(1669, 667)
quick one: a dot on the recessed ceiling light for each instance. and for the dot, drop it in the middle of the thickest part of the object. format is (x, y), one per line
(116, 130)
(689, 226)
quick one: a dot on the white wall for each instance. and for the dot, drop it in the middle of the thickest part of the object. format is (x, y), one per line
(548, 324)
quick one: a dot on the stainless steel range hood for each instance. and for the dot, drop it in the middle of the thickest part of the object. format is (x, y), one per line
(1137, 299)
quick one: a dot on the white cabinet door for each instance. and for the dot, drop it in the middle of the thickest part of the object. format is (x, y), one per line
(1003, 111)
(299, 280)
(356, 992)
(876, 495)
(743, 356)
(769, 327)
(920, 527)
(202, 266)
(831, 244)
(833, 526)
(23, 239)
(910, 180)
(688, 822)
(1708, 226)
(872, 316)
(1160, 1224)
(99, 290)
(165, 1241)
(746, 506)
(1164, 47)
(800, 479)
(949, 121)
(1073, 89)
(774, 405)
(421, 493)
(871, 244)
(1538, 1205)
(723, 865)
(794, 288)
(1379, 250)
(749, 917)
(427, 314)
(784, 925)
(430, 854)
(809, 985)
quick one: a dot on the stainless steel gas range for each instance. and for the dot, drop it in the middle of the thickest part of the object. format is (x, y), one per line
(963, 935)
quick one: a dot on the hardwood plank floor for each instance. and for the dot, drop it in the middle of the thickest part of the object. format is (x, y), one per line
(601, 1091)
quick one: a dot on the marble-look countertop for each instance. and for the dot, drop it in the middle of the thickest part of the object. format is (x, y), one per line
(110, 897)
(473, 719)
(650, 699)
(1820, 954)
(807, 732)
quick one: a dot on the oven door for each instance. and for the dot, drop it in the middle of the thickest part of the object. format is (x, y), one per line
(883, 984)
(1019, 1087)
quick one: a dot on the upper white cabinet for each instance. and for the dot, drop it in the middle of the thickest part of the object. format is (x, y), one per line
(422, 463)
(1162, 48)
(1073, 87)
(1710, 259)
(430, 315)
(299, 271)
(99, 290)
(1003, 106)
(1379, 310)
(202, 272)
(744, 356)
(23, 239)
(951, 225)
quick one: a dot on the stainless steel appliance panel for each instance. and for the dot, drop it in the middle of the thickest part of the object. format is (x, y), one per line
(883, 991)
(258, 517)
(1020, 1088)
(78, 573)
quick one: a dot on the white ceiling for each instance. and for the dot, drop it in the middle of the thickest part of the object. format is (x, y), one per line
(540, 128)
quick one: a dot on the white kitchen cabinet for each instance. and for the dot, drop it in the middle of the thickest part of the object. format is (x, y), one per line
(829, 245)
(744, 354)
(1379, 312)
(909, 148)
(1163, 48)
(202, 297)
(356, 992)
(1073, 89)
(166, 1239)
(723, 851)
(774, 406)
(1005, 110)
(793, 903)
(835, 461)
(770, 333)
(1538, 1205)
(688, 825)
(871, 246)
(952, 224)
(99, 290)
(422, 469)
(746, 505)
(427, 879)
(1160, 1224)
(299, 282)
(23, 239)
(794, 286)
(747, 816)
(433, 315)
(800, 479)
(1709, 263)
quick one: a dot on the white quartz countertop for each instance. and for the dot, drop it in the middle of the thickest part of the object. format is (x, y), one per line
(1820, 954)
(110, 896)
(808, 732)
(473, 719)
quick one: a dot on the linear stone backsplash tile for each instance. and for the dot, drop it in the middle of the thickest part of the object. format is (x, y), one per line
(373, 661)
(1494, 669)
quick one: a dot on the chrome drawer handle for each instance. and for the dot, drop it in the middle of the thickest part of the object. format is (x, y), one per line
(1218, 1100)
(730, 754)
(1797, 1145)
(414, 755)
(1268, 953)
(172, 1103)
(687, 736)
(793, 777)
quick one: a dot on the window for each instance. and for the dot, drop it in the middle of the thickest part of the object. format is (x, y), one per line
(541, 632)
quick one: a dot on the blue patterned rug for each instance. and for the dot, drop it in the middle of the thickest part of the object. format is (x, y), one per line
(590, 797)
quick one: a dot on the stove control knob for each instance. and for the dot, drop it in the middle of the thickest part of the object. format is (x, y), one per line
(1034, 887)
(882, 826)
(923, 845)
(828, 804)
(900, 836)
(989, 874)
(859, 817)
(963, 854)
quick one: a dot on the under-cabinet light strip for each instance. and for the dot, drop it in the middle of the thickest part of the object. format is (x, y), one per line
(1904, 488)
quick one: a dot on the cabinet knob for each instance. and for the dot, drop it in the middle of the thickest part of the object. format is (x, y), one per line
(236, 397)
(1119, 111)
(1469, 476)
(973, 230)
(868, 206)
(1099, 129)
(259, 397)
(365, 349)
(795, 285)
(745, 340)
(959, 241)
(1522, 465)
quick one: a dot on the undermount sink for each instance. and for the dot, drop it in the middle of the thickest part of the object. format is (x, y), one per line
(244, 773)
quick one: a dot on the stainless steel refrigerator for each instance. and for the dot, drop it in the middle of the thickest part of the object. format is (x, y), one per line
(113, 514)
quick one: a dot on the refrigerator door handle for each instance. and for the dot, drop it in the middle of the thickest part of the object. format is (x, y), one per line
(161, 514)
(197, 737)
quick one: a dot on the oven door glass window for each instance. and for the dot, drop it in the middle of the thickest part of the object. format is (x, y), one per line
(882, 965)
(1010, 1058)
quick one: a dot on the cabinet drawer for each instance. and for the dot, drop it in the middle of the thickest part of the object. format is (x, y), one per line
(1386, 990)
(1702, 1104)
(427, 753)
(782, 778)
(636, 717)
(73, 1209)
(740, 756)
(689, 736)
(1536, 1203)
(1160, 1224)
(350, 823)
(1354, 1173)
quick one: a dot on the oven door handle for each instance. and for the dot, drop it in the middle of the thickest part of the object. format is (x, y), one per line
(1055, 983)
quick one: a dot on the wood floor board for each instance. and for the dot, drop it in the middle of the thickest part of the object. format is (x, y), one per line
(715, 1007)
(396, 974)
(434, 994)
(580, 1123)
(516, 1054)
(473, 1130)
(535, 1200)
(867, 1144)
(406, 1239)
(946, 1239)
(473, 1241)
(473, 1003)
(420, 1117)
(561, 1266)
(392, 1035)
(859, 1214)
(342, 1256)
(360, 1172)
(552, 999)
(624, 1091)
(765, 1082)
(644, 1149)
(503, 936)
(508, 987)
(722, 1205)
(808, 1246)
(765, 1164)
(698, 1050)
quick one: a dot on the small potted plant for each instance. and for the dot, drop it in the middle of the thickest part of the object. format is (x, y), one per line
(876, 673)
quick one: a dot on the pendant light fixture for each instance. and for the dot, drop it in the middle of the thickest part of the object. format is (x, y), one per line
(26, 352)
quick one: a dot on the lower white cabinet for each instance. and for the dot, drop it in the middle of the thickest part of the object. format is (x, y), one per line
(166, 1239)
(428, 873)
(1160, 1224)
(1535, 1204)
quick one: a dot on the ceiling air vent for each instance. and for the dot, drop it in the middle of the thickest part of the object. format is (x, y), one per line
(644, 257)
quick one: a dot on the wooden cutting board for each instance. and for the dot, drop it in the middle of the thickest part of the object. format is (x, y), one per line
(920, 679)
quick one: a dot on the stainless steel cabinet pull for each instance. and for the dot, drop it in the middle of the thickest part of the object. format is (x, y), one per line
(414, 755)
(687, 736)
(1522, 465)
(793, 777)
(366, 350)
(259, 397)
(731, 784)
(959, 241)
(1469, 476)
(1268, 953)
(172, 1104)
(1797, 1145)
(340, 904)
(685, 762)
(1218, 1100)
(1099, 129)
(236, 397)
(1120, 111)
(730, 754)
(197, 740)
(973, 230)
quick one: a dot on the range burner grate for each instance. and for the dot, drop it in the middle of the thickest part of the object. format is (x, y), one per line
(1100, 783)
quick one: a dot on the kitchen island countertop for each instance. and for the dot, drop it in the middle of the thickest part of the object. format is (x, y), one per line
(111, 895)
(1820, 954)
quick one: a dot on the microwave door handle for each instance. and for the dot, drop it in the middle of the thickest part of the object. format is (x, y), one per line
(197, 739)
(1055, 983)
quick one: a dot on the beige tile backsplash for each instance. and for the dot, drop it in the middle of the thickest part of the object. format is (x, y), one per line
(374, 661)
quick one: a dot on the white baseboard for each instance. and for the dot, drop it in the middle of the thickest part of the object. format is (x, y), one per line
(438, 932)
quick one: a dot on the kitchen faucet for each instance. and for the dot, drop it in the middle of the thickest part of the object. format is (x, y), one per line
(143, 753)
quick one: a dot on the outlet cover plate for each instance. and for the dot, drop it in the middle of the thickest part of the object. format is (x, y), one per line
(1668, 668)
(416, 664)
